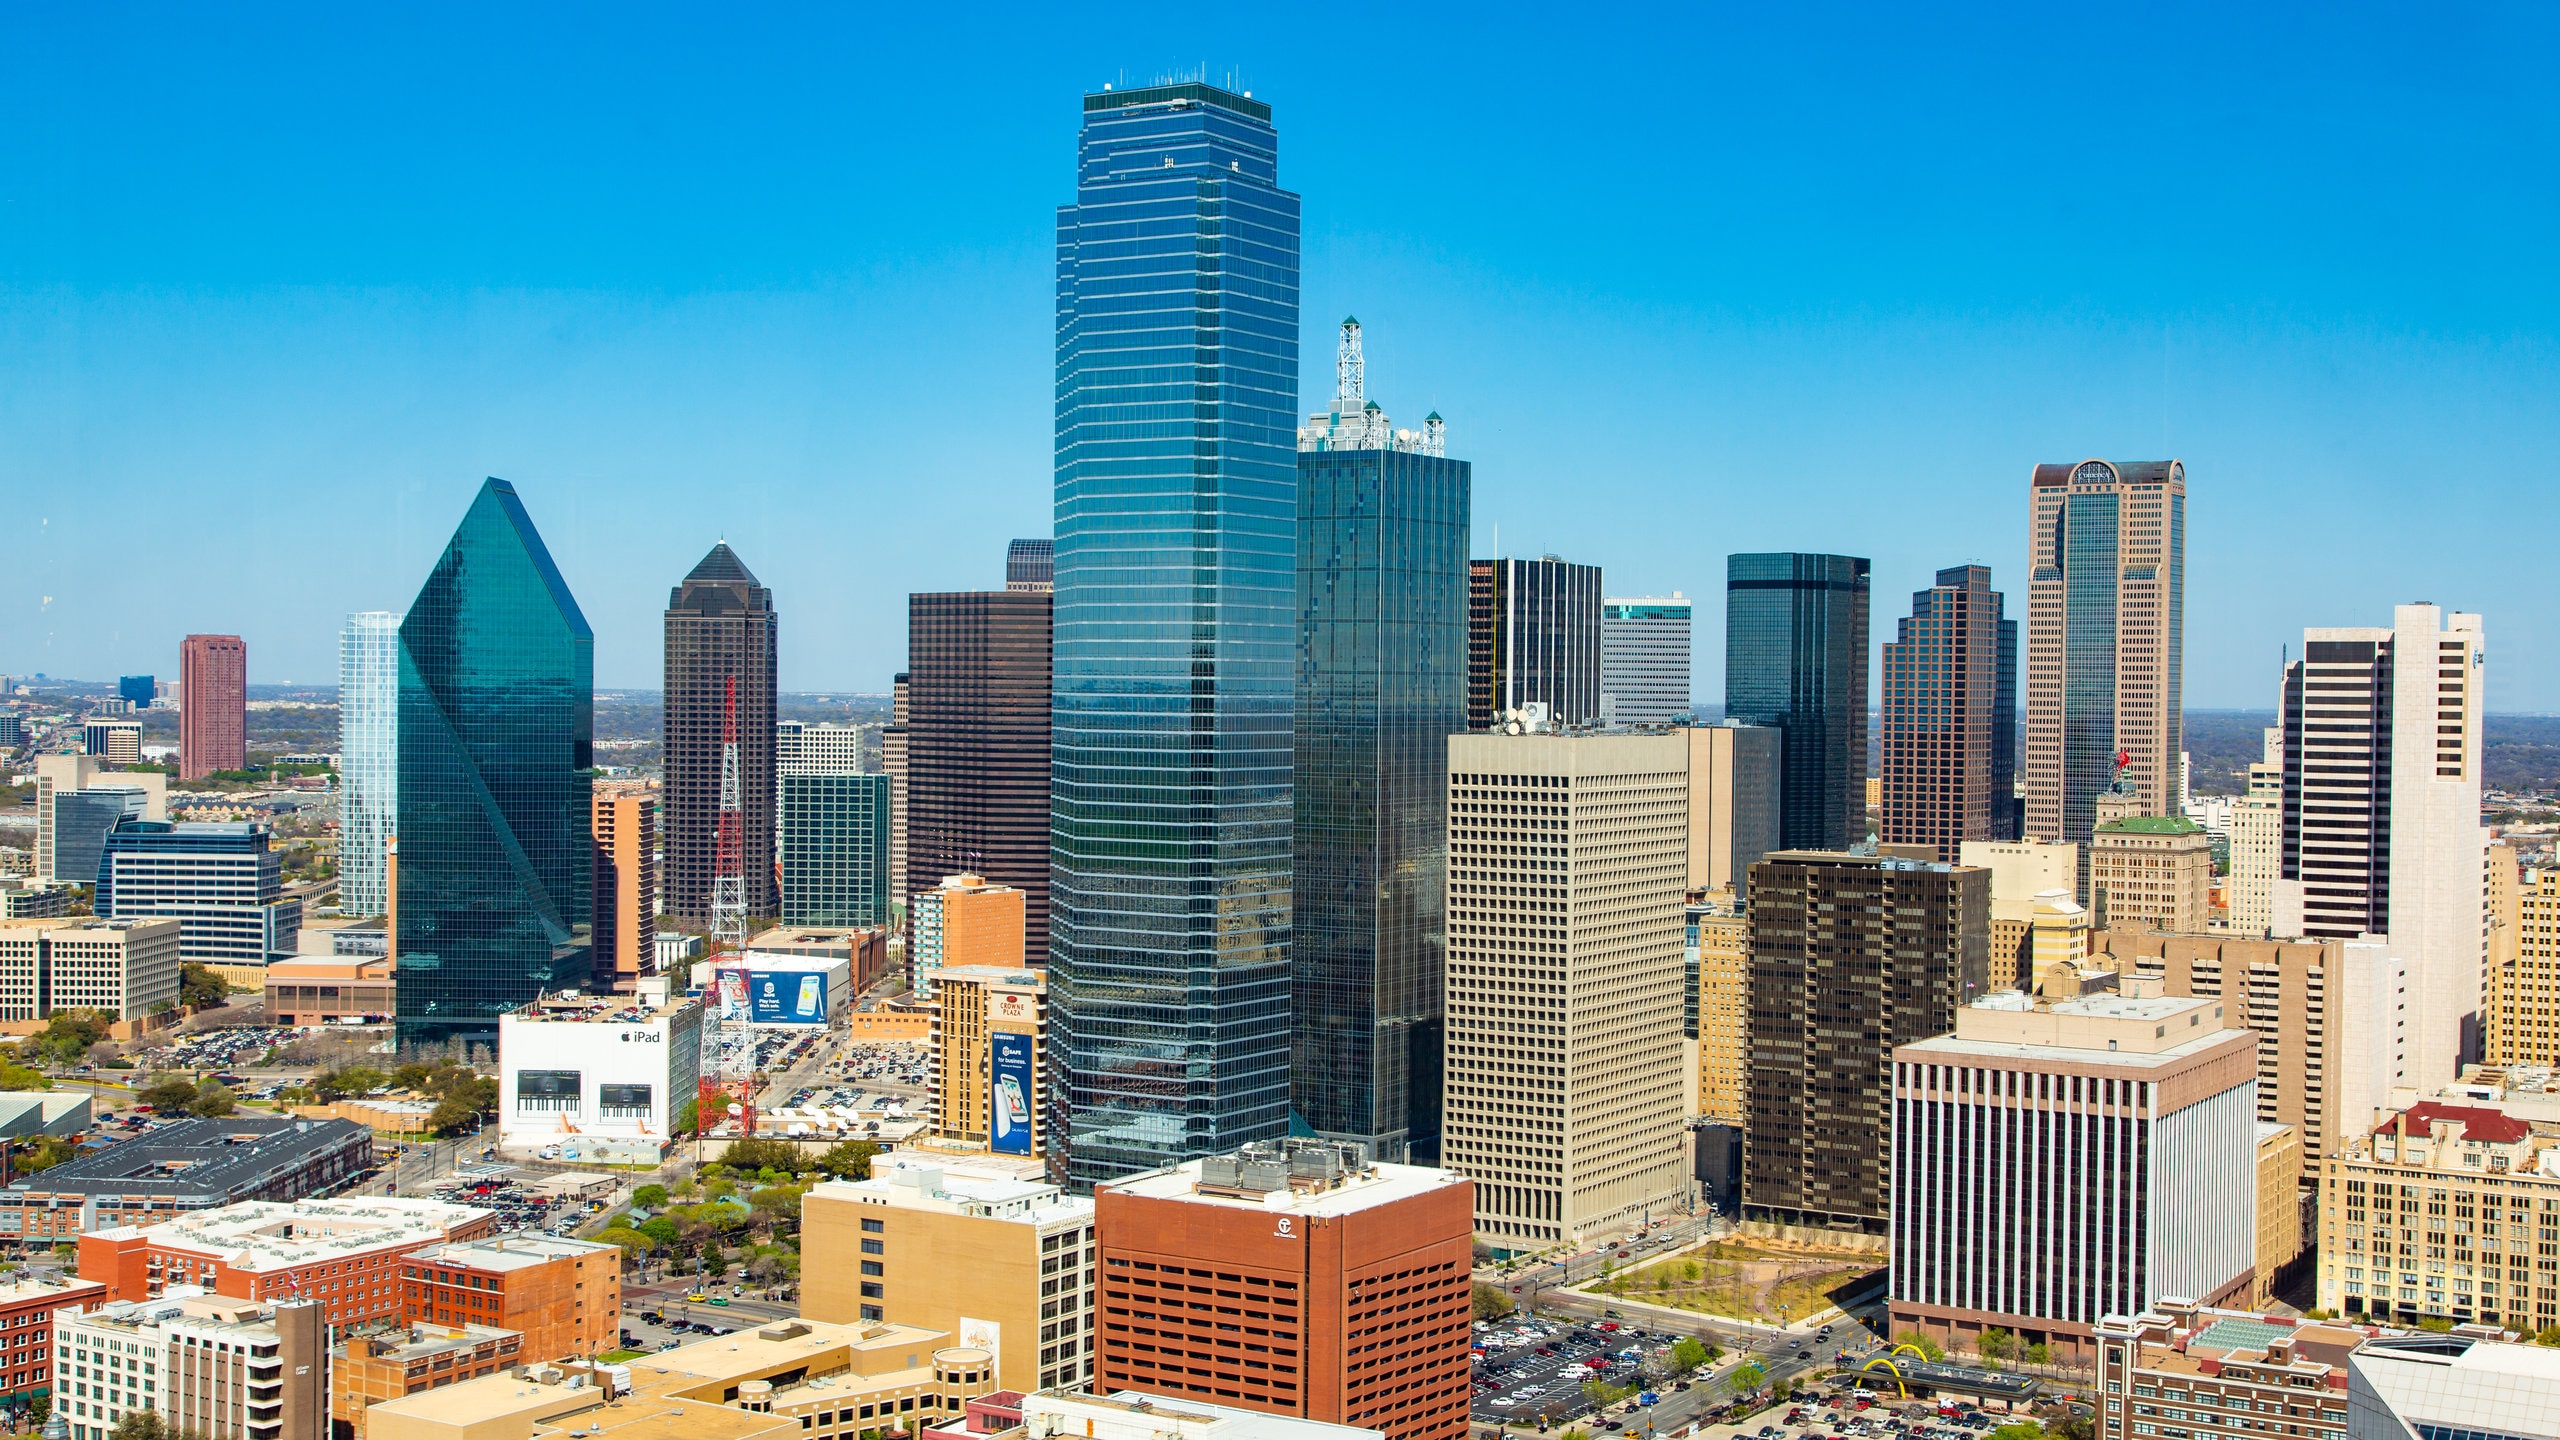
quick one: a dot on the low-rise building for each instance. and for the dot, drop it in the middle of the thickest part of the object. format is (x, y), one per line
(390, 1364)
(344, 1253)
(315, 990)
(2222, 1374)
(28, 1306)
(1145, 1415)
(23, 897)
(987, 1058)
(1003, 1261)
(2056, 1162)
(223, 881)
(126, 969)
(802, 1379)
(599, 1075)
(185, 1166)
(857, 956)
(564, 1296)
(205, 1365)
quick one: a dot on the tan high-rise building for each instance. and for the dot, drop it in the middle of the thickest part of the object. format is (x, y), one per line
(1720, 959)
(1004, 1264)
(986, 1061)
(1733, 802)
(1568, 854)
(2257, 844)
(2152, 872)
(2522, 1005)
(2106, 637)
(624, 826)
(2280, 1236)
(964, 921)
(2022, 871)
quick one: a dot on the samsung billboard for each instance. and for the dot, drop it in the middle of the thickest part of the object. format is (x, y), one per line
(786, 997)
(1009, 1093)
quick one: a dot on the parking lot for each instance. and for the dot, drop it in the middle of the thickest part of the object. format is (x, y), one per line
(1885, 1419)
(217, 1049)
(1533, 1370)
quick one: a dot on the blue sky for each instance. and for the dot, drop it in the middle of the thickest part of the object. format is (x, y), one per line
(278, 285)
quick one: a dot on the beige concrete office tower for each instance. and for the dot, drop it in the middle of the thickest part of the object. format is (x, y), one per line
(1733, 802)
(2257, 844)
(2022, 871)
(2522, 1004)
(2382, 810)
(2106, 635)
(2152, 872)
(985, 1060)
(1567, 857)
(1720, 957)
(1004, 1264)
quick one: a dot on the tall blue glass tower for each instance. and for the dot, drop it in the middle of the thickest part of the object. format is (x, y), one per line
(1176, 576)
(497, 730)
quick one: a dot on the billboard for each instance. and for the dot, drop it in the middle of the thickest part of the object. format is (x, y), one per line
(728, 997)
(788, 997)
(1009, 1093)
(547, 1089)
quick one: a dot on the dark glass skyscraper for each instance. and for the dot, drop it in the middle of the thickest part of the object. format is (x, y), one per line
(977, 739)
(720, 627)
(1176, 558)
(1533, 634)
(497, 725)
(1795, 657)
(1381, 685)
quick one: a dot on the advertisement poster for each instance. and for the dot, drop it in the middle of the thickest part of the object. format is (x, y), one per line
(1009, 1093)
(729, 994)
(986, 1335)
(787, 998)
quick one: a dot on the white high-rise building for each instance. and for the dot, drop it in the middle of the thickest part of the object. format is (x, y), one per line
(2257, 843)
(2381, 811)
(1568, 868)
(1644, 659)
(368, 758)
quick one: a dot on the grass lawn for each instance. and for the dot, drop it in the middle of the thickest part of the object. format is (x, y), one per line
(617, 1357)
(1744, 1279)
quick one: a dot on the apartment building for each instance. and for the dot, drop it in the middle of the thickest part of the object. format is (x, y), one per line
(1294, 1278)
(1568, 861)
(1005, 1263)
(205, 1365)
(28, 1305)
(344, 1253)
(563, 1296)
(986, 1058)
(623, 828)
(2214, 1374)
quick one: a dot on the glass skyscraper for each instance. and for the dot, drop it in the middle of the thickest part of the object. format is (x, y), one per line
(1381, 685)
(1795, 658)
(497, 728)
(835, 849)
(1176, 572)
(368, 757)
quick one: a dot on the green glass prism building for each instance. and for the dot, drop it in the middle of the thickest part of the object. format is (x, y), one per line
(1381, 685)
(497, 726)
(1176, 574)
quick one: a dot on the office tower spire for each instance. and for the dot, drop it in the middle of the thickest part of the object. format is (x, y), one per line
(1795, 659)
(1169, 920)
(497, 730)
(1381, 683)
(1950, 717)
(720, 632)
(2106, 633)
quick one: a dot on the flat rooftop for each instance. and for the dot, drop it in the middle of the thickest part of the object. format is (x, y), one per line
(1378, 1185)
(262, 1235)
(583, 1009)
(509, 1252)
(203, 1160)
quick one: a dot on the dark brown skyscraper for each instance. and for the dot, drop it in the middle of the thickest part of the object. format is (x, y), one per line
(1533, 634)
(1951, 717)
(213, 700)
(720, 626)
(1851, 955)
(977, 737)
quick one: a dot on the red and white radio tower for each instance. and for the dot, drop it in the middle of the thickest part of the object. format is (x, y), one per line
(727, 1088)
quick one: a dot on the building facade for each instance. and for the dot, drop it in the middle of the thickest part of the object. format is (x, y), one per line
(222, 881)
(28, 1307)
(720, 649)
(1644, 659)
(965, 921)
(985, 1061)
(497, 732)
(213, 697)
(1533, 637)
(1381, 683)
(344, 1253)
(977, 726)
(1568, 861)
(602, 1078)
(624, 827)
(368, 758)
(2257, 844)
(1358, 1272)
(69, 831)
(563, 1296)
(2382, 831)
(2387, 1254)
(1851, 955)
(1735, 815)
(1719, 962)
(183, 1167)
(1950, 717)
(2106, 639)
(2519, 1022)
(2152, 872)
(127, 969)
(2055, 1163)
(1007, 1264)
(2022, 873)
(366, 1370)
(118, 742)
(1170, 709)
(1031, 565)
(1795, 660)
(836, 847)
(204, 1366)
(2218, 1374)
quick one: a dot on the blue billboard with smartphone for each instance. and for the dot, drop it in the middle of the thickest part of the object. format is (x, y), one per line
(786, 997)
(1009, 1093)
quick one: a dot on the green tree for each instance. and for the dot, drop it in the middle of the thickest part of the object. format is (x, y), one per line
(44, 1152)
(1996, 1345)
(848, 1159)
(631, 1241)
(2019, 1430)
(779, 1204)
(1922, 1341)
(212, 1101)
(2039, 1354)
(1491, 1302)
(752, 1153)
(352, 1080)
(659, 1228)
(2550, 1336)
(688, 1118)
(1687, 1354)
(1748, 1376)
(200, 988)
(650, 1197)
(14, 1076)
(1602, 1394)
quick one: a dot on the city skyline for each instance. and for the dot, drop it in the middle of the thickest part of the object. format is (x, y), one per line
(2281, 362)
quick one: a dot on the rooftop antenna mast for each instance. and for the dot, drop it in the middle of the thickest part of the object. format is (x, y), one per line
(727, 1085)
(1350, 372)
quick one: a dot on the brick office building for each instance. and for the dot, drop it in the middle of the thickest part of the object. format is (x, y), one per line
(343, 1253)
(27, 1308)
(1311, 1283)
(564, 1295)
